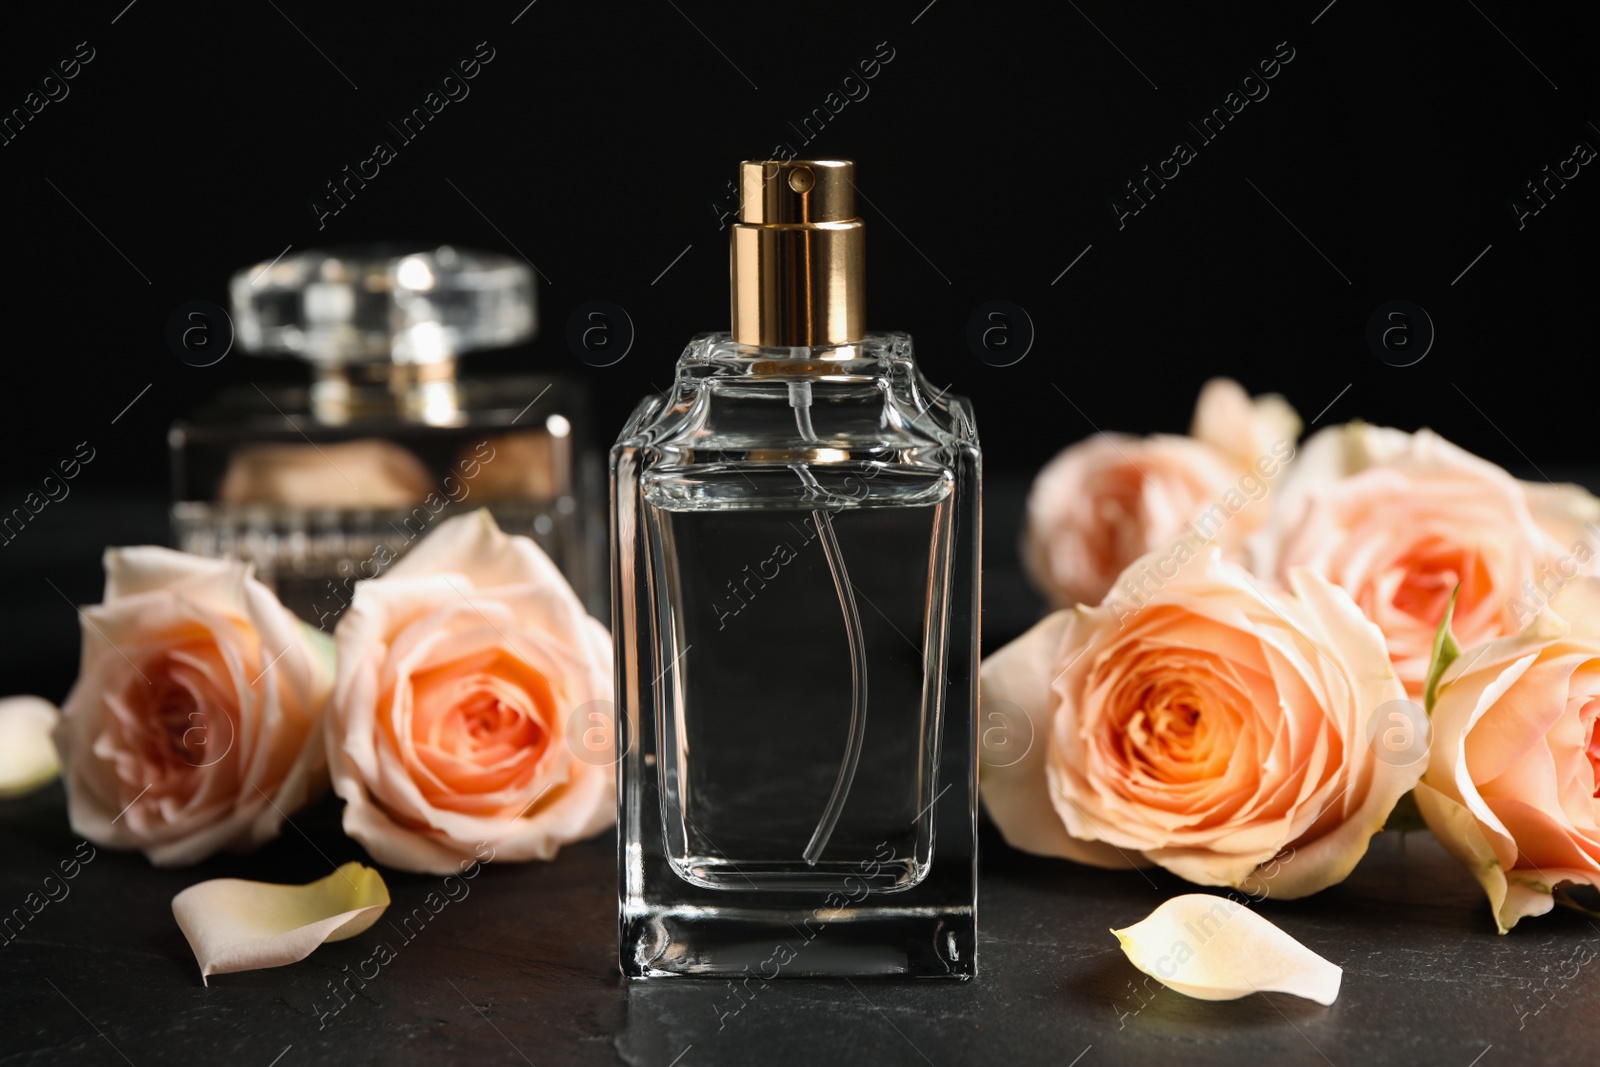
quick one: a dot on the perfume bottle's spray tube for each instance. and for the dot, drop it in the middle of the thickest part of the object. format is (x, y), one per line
(800, 400)
(797, 281)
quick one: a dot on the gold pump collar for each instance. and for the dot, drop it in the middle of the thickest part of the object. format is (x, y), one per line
(798, 255)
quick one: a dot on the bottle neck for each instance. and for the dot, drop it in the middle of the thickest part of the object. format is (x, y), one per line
(412, 392)
(721, 355)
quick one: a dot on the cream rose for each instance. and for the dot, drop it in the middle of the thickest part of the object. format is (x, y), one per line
(1399, 521)
(1241, 428)
(194, 724)
(473, 705)
(1207, 730)
(1570, 514)
(1511, 788)
(1111, 498)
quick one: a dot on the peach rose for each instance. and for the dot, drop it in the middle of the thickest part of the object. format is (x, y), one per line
(1240, 428)
(1511, 788)
(1399, 520)
(1207, 729)
(1570, 514)
(461, 672)
(1111, 498)
(193, 725)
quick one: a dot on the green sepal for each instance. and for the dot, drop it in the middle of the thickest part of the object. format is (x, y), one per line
(1445, 652)
(322, 641)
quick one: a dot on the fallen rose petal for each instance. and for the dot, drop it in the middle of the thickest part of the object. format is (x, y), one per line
(28, 759)
(1211, 948)
(237, 925)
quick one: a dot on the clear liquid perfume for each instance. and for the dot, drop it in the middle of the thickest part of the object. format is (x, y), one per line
(322, 485)
(795, 588)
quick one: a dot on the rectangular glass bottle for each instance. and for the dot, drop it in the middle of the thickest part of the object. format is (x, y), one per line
(318, 506)
(320, 485)
(796, 583)
(795, 554)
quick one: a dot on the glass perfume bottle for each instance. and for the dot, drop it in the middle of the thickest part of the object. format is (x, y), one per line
(795, 589)
(322, 485)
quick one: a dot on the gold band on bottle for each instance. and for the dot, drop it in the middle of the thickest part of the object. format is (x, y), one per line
(798, 255)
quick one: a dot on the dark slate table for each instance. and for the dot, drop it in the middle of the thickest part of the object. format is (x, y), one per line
(523, 969)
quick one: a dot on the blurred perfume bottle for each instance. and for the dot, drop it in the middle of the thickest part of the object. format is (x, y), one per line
(796, 532)
(324, 484)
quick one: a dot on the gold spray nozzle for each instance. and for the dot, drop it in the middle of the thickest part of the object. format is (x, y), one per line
(798, 255)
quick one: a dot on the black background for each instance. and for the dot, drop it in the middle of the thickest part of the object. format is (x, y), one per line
(600, 140)
(597, 141)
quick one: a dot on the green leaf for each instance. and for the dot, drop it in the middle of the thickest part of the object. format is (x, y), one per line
(1445, 652)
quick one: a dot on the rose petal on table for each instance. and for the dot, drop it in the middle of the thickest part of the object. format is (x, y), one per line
(238, 925)
(1211, 948)
(28, 758)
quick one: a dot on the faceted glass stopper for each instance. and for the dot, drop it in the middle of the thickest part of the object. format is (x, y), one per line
(381, 303)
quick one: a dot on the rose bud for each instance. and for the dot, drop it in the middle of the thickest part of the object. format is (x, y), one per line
(1511, 787)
